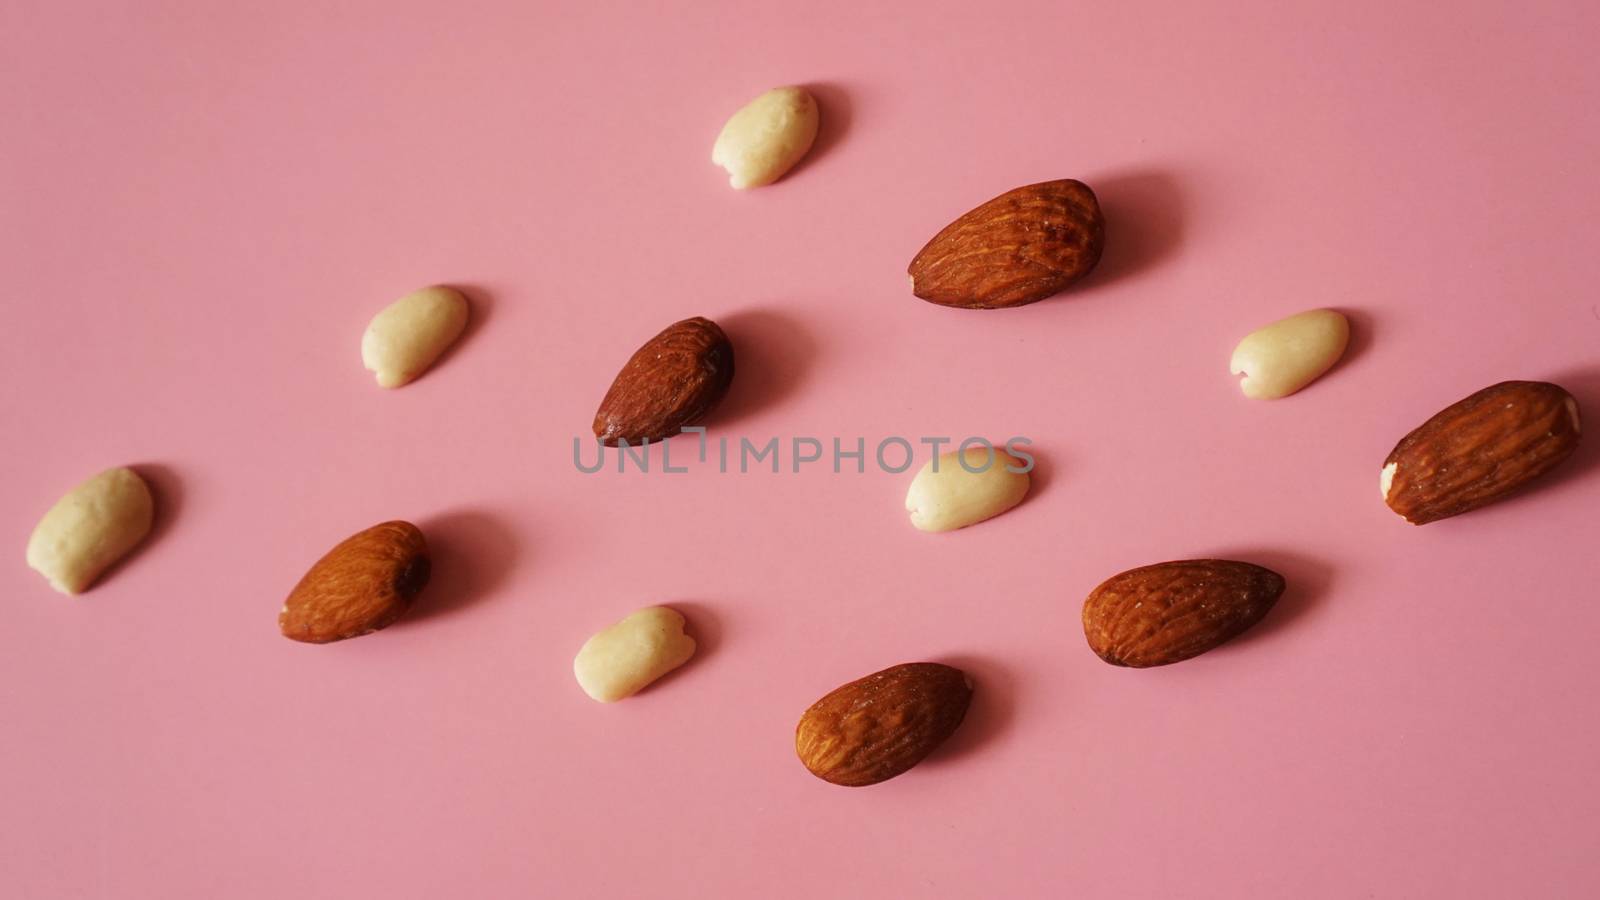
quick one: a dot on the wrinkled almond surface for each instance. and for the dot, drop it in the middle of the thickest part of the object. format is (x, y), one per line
(1289, 354)
(670, 382)
(1169, 612)
(363, 584)
(623, 659)
(1018, 248)
(1480, 449)
(877, 727)
(91, 528)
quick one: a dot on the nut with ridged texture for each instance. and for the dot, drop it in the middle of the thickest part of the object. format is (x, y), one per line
(1172, 611)
(673, 380)
(1016, 249)
(363, 584)
(1480, 449)
(880, 726)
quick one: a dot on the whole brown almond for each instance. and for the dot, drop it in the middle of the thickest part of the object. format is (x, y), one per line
(1478, 450)
(1018, 248)
(363, 584)
(1166, 613)
(877, 727)
(672, 381)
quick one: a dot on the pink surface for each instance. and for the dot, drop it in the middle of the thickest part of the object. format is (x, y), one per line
(204, 203)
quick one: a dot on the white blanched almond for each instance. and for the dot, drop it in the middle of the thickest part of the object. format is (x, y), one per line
(621, 660)
(957, 495)
(1290, 353)
(767, 137)
(405, 338)
(90, 528)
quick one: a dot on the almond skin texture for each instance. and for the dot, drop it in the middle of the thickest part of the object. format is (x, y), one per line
(360, 586)
(672, 381)
(875, 728)
(1481, 449)
(1166, 613)
(1018, 248)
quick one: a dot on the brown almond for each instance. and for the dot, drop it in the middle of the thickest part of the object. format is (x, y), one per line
(877, 727)
(363, 584)
(672, 381)
(1171, 611)
(1018, 248)
(1478, 450)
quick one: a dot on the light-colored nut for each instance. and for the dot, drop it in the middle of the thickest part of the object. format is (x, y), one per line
(90, 528)
(1386, 479)
(767, 137)
(958, 495)
(409, 334)
(621, 660)
(1290, 353)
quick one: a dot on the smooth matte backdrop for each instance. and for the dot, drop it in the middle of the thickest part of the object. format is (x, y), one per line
(202, 204)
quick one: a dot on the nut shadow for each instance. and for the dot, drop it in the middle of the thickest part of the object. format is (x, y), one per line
(472, 553)
(1306, 582)
(835, 115)
(167, 499)
(1362, 323)
(701, 623)
(772, 356)
(480, 307)
(1145, 219)
(993, 709)
(1043, 476)
(166, 489)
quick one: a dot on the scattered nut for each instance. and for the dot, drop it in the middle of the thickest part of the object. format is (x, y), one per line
(626, 657)
(670, 382)
(1289, 354)
(90, 528)
(363, 584)
(1480, 449)
(405, 338)
(877, 727)
(767, 137)
(958, 495)
(1019, 248)
(1169, 612)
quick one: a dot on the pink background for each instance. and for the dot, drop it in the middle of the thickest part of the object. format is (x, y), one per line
(203, 204)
